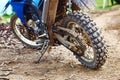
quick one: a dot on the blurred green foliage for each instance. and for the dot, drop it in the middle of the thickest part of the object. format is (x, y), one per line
(5, 18)
(100, 5)
(6, 15)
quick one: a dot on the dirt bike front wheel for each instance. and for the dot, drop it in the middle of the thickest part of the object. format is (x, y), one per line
(23, 34)
(89, 47)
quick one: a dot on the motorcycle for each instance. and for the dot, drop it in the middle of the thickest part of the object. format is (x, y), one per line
(44, 23)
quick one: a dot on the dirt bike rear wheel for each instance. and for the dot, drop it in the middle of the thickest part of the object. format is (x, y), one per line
(89, 38)
(22, 32)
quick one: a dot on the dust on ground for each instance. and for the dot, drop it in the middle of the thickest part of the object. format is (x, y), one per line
(16, 61)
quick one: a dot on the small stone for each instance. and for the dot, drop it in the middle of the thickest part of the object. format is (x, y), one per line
(26, 73)
(5, 73)
(6, 69)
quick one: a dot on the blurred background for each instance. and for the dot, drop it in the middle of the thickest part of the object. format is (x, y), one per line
(2, 4)
(107, 4)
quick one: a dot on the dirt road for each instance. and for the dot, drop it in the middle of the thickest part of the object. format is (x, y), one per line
(16, 62)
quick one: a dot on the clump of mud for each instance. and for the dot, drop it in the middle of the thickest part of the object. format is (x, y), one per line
(5, 35)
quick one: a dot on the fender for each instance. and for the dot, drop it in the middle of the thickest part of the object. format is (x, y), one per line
(18, 7)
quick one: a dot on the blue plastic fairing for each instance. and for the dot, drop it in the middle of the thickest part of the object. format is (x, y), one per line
(18, 7)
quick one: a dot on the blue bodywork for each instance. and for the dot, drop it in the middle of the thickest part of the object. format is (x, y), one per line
(18, 7)
(36, 2)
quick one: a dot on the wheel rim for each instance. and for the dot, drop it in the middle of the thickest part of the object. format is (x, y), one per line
(22, 33)
(88, 54)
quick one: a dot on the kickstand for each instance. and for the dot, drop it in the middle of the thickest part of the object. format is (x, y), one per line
(42, 51)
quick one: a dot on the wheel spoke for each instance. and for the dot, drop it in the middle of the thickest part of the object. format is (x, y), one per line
(87, 51)
(79, 38)
(25, 35)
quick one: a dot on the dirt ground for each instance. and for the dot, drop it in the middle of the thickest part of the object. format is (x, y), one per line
(16, 61)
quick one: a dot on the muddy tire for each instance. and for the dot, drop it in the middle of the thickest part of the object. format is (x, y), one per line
(22, 33)
(96, 40)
